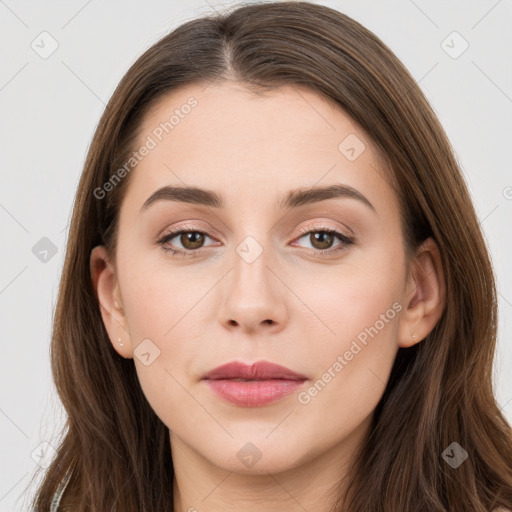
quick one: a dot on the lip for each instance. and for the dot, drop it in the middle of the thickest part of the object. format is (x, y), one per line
(261, 370)
(269, 382)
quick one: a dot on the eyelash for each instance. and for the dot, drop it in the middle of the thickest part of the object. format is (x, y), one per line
(346, 240)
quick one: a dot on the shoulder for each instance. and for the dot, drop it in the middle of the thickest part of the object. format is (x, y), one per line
(54, 507)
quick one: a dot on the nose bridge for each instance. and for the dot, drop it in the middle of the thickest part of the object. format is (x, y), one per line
(251, 236)
(253, 296)
(251, 260)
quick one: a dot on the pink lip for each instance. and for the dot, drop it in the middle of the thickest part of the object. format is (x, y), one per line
(270, 382)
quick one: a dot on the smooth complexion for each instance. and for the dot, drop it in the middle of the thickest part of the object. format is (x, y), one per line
(293, 305)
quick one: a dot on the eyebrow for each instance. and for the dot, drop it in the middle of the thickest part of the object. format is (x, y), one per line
(293, 199)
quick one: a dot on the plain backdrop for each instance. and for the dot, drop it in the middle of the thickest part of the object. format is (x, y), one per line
(60, 62)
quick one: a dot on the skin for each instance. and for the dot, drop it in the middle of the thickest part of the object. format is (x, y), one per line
(204, 311)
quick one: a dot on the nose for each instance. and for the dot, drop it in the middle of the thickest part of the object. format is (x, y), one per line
(253, 299)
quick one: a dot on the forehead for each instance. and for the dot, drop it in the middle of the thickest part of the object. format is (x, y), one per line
(228, 138)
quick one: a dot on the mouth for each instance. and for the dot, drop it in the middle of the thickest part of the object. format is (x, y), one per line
(253, 385)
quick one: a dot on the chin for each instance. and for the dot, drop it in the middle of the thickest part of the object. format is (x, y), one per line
(258, 457)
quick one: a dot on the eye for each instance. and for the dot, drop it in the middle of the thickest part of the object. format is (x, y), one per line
(191, 240)
(323, 238)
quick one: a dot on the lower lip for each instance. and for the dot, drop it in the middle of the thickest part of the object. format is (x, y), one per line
(253, 393)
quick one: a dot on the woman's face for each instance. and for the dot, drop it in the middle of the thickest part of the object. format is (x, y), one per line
(257, 286)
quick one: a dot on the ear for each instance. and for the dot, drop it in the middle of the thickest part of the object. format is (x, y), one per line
(108, 294)
(425, 295)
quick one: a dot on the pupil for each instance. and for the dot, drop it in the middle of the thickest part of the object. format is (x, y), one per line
(192, 240)
(319, 237)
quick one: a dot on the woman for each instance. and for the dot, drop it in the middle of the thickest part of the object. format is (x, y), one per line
(276, 293)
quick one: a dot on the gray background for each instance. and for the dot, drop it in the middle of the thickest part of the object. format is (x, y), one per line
(50, 108)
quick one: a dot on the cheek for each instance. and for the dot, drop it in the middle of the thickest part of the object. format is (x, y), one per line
(165, 313)
(355, 297)
(359, 313)
(155, 299)
(164, 345)
(359, 335)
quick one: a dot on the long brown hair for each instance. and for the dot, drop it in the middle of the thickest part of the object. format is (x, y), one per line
(115, 449)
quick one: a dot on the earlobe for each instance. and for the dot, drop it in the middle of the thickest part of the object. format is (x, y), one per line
(106, 289)
(425, 295)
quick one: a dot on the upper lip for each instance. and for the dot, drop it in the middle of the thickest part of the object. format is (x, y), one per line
(261, 370)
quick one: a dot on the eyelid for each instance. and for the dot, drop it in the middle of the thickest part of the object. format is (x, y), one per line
(344, 239)
(183, 227)
(323, 227)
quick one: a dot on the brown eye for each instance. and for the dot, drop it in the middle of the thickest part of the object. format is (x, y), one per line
(192, 239)
(183, 242)
(321, 239)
